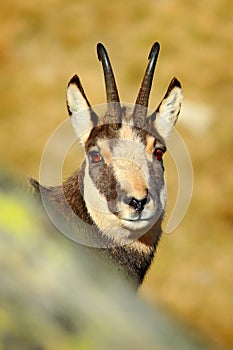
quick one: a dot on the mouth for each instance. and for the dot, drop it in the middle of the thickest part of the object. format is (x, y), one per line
(139, 219)
(137, 223)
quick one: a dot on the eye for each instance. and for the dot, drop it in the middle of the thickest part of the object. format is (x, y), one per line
(158, 153)
(95, 157)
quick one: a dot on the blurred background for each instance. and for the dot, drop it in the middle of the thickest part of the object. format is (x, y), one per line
(42, 44)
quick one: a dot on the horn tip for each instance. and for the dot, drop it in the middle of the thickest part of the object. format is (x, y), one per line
(154, 50)
(100, 50)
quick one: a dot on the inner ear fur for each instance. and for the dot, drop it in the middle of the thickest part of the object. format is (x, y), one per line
(168, 110)
(83, 119)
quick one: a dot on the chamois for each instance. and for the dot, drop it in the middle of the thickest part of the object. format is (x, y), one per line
(119, 191)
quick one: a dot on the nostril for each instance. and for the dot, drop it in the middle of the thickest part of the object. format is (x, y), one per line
(135, 204)
(138, 205)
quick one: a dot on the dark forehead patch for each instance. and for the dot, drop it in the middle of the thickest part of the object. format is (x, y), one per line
(144, 133)
(105, 131)
(111, 131)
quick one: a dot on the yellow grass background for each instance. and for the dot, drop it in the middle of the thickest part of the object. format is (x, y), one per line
(43, 43)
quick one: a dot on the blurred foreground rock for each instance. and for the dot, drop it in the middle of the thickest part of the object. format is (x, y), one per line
(53, 298)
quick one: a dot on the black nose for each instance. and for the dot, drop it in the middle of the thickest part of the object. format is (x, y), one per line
(138, 205)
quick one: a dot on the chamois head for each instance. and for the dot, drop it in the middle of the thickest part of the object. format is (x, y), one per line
(123, 182)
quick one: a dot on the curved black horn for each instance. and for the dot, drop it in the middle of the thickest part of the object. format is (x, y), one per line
(144, 92)
(114, 108)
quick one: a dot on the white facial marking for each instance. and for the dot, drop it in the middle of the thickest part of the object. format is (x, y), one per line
(96, 204)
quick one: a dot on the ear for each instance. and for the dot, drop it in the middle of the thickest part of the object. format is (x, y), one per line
(79, 109)
(169, 109)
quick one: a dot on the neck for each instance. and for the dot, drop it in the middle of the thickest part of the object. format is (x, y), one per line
(131, 260)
